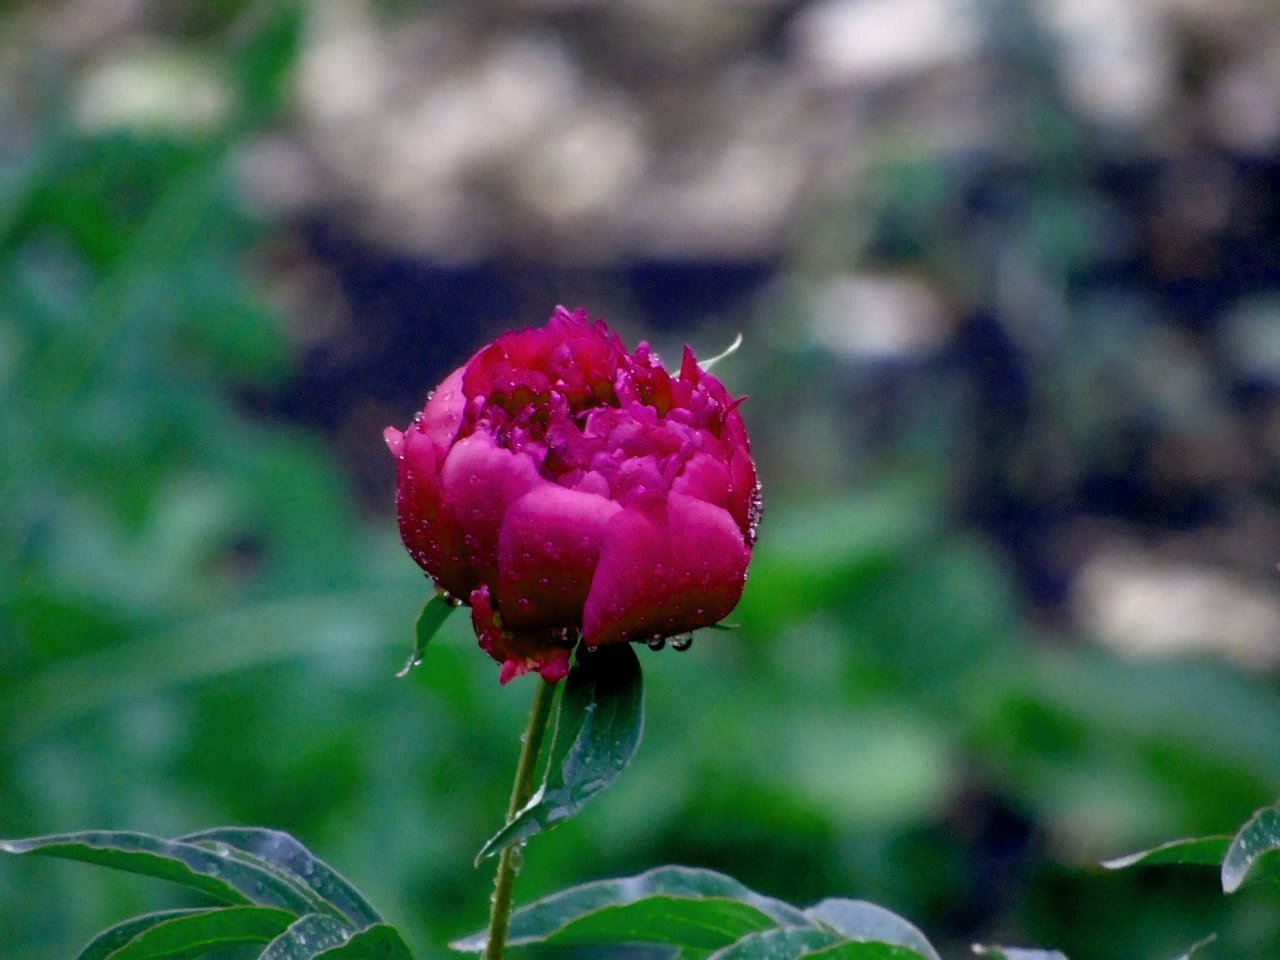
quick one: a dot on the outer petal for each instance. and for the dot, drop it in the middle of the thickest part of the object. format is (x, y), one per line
(744, 493)
(428, 533)
(665, 571)
(478, 483)
(547, 555)
(443, 412)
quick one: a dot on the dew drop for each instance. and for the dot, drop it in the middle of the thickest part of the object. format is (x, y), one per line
(656, 642)
(682, 643)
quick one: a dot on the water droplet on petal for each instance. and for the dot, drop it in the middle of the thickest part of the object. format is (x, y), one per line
(682, 643)
(656, 642)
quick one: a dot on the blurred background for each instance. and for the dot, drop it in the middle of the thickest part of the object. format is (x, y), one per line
(1008, 274)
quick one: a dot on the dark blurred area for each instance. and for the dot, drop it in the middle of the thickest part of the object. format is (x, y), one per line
(1008, 275)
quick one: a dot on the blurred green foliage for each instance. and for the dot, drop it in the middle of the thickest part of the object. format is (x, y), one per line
(200, 625)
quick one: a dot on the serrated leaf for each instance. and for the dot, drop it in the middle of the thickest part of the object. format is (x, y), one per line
(379, 942)
(211, 871)
(1255, 843)
(307, 937)
(1017, 953)
(694, 898)
(779, 944)
(598, 728)
(434, 613)
(204, 931)
(113, 938)
(284, 853)
(1203, 851)
(863, 920)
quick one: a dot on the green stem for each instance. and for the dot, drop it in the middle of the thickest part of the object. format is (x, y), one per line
(521, 790)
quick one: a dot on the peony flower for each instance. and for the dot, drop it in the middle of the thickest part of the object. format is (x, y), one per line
(563, 488)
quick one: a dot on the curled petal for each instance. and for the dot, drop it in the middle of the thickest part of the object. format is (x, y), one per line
(665, 569)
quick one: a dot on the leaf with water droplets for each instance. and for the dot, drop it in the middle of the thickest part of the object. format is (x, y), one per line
(379, 942)
(778, 944)
(598, 727)
(1255, 844)
(434, 613)
(862, 920)
(276, 850)
(307, 937)
(188, 933)
(798, 943)
(212, 871)
(113, 938)
(682, 906)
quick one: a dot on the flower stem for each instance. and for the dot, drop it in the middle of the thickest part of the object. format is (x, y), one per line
(521, 790)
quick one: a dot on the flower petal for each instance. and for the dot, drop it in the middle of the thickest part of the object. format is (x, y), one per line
(547, 554)
(665, 571)
(478, 483)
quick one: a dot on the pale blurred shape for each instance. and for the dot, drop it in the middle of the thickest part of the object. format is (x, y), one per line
(1244, 104)
(1141, 605)
(1251, 336)
(876, 41)
(277, 175)
(581, 168)
(1116, 57)
(879, 317)
(157, 87)
(734, 203)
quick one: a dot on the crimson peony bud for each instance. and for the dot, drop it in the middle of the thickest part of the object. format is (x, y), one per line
(563, 487)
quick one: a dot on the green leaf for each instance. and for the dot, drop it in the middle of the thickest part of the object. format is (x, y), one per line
(434, 613)
(865, 950)
(1257, 841)
(214, 872)
(779, 944)
(1017, 953)
(307, 937)
(113, 938)
(598, 727)
(862, 920)
(707, 909)
(285, 854)
(1204, 851)
(379, 942)
(203, 931)
(262, 61)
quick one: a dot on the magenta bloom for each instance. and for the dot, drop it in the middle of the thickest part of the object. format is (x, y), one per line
(563, 487)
